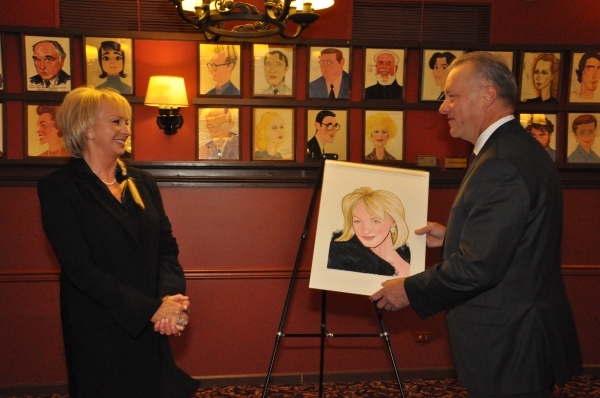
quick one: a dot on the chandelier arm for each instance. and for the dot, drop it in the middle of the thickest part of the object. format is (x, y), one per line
(299, 30)
(198, 22)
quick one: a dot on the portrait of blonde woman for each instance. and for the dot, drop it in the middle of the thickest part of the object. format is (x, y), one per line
(45, 137)
(373, 237)
(273, 135)
(541, 77)
(382, 141)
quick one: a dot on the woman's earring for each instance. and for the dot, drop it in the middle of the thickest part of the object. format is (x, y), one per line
(352, 231)
(393, 229)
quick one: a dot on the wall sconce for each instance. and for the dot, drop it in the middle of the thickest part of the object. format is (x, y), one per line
(168, 93)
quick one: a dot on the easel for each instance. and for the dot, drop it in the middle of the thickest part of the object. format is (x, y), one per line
(324, 333)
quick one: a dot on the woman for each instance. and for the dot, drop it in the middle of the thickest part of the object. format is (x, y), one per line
(380, 128)
(48, 132)
(373, 239)
(121, 285)
(439, 63)
(545, 78)
(269, 136)
(112, 63)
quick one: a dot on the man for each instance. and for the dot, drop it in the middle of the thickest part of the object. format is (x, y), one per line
(327, 127)
(584, 128)
(387, 87)
(221, 68)
(510, 325)
(276, 66)
(588, 75)
(541, 129)
(49, 59)
(224, 144)
(334, 81)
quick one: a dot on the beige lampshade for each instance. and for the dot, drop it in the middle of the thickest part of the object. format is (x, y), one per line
(189, 5)
(166, 92)
(316, 4)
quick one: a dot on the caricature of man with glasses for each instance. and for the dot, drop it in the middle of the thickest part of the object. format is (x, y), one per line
(327, 127)
(221, 67)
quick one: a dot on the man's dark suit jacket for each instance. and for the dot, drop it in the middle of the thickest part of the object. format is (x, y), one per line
(232, 149)
(318, 88)
(509, 321)
(379, 91)
(230, 90)
(313, 150)
(115, 267)
(63, 78)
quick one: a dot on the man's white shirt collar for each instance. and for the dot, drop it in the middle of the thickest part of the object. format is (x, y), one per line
(488, 132)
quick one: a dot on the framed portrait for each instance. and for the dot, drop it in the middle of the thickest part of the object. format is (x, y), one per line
(2, 74)
(273, 134)
(507, 56)
(584, 77)
(109, 63)
(47, 63)
(44, 138)
(329, 72)
(435, 71)
(273, 68)
(326, 132)
(540, 78)
(384, 135)
(582, 145)
(384, 73)
(2, 130)
(543, 127)
(218, 134)
(220, 69)
(365, 207)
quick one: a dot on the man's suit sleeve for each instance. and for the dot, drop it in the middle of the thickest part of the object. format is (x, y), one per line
(486, 223)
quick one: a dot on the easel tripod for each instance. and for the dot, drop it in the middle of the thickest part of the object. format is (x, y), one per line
(324, 333)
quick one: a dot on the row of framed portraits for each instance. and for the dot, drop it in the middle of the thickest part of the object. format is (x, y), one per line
(109, 62)
(274, 135)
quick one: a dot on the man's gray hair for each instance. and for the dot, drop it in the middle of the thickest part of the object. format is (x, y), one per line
(396, 57)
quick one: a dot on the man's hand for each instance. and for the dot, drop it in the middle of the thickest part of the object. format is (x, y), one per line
(393, 296)
(435, 234)
(171, 309)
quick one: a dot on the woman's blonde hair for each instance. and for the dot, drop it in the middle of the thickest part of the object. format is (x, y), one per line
(262, 141)
(554, 66)
(385, 122)
(377, 203)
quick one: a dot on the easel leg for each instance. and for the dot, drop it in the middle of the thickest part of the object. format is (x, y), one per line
(386, 337)
(323, 335)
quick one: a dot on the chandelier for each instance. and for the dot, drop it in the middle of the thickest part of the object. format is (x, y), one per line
(210, 17)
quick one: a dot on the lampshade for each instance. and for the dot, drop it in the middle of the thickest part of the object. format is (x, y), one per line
(166, 92)
(189, 5)
(316, 4)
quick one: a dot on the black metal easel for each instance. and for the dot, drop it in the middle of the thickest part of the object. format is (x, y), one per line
(324, 333)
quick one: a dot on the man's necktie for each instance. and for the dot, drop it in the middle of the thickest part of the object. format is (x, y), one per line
(47, 83)
(331, 93)
(275, 91)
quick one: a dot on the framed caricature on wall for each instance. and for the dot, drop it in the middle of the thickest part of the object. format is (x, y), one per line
(326, 132)
(384, 73)
(434, 71)
(273, 67)
(109, 63)
(1, 63)
(220, 69)
(540, 78)
(507, 56)
(273, 134)
(543, 128)
(329, 72)
(218, 134)
(47, 63)
(582, 145)
(44, 138)
(384, 135)
(2, 129)
(584, 77)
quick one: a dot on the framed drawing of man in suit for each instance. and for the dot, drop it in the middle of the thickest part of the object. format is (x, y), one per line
(326, 132)
(582, 145)
(273, 135)
(220, 69)
(542, 127)
(218, 134)
(585, 75)
(109, 63)
(384, 73)
(47, 63)
(434, 71)
(273, 67)
(329, 72)
(540, 78)
(384, 135)
(2, 130)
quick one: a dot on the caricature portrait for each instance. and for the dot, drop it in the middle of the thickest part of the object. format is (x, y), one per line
(329, 74)
(1, 129)
(218, 134)
(44, 135)
(582, 144)
(507, 56)
(1, 69)
(384, 73)
(48, 63)
(383, 135)
(219, 70)
(585, 75)
(434, 73)
(273, 70)
(540, 78)
(273, 134)
(541, 127)
(326, 132)
(109, 63)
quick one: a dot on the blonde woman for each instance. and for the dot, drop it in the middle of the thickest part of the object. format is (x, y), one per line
(380, 128)
(270, 132)
(545, 77)
(373, 238)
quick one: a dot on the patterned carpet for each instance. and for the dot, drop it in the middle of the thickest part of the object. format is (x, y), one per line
(581, 386)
